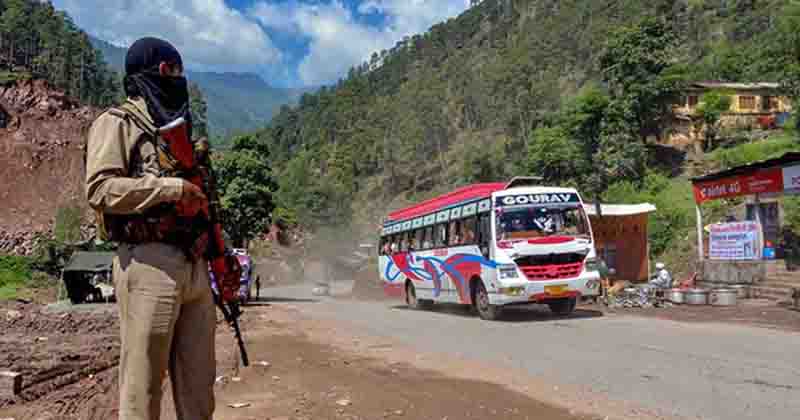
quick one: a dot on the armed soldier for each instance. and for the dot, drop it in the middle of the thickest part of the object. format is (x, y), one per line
(139, 173)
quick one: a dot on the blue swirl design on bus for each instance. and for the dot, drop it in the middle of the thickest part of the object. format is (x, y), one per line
(459, 267)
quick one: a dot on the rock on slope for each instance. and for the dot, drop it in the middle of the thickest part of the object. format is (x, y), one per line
(41, 159)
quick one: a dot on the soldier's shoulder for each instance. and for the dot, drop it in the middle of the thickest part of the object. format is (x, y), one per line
(110, 116)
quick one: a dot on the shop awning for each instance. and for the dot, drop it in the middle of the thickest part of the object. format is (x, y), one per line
(779, 175)
(619, 209)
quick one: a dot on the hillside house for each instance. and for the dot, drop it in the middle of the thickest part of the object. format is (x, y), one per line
(753, 105)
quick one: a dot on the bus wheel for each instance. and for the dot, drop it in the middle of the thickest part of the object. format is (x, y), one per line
(563, 307)
(411, 298)
(485, 309)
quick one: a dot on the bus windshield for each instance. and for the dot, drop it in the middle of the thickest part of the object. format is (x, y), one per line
(526, 222)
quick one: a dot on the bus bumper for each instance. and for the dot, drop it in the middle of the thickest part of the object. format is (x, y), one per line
(542, 291)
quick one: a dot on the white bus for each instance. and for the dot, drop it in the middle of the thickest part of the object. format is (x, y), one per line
(492, 245)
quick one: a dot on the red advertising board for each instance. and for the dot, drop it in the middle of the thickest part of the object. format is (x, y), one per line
(765, 181)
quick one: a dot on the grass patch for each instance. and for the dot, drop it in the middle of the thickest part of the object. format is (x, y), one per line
(7, 77)
(15, 273)
(769, 148)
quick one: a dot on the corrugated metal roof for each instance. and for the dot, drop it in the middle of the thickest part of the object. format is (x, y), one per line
(785, 160)
(737, 86)
(92, 262)
(619, 209)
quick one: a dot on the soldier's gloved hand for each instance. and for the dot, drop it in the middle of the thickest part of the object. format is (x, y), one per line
(192, 200)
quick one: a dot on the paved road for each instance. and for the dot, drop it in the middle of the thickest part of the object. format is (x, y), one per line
(720, 372)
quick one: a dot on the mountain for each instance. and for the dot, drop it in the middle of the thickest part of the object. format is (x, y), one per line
(237, 102)
(565, 89)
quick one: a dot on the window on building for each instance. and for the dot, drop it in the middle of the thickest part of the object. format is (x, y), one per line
(769, 103)
(747, 102)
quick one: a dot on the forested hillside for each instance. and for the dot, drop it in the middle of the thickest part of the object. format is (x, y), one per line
(41, 42)
(567, 89)
(237, 102)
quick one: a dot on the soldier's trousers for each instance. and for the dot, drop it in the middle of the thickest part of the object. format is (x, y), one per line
(167, 323)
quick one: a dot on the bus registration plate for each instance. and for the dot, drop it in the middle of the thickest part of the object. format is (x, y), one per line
(558, 290)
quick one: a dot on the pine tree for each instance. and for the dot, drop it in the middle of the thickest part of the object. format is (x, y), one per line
(199, 110)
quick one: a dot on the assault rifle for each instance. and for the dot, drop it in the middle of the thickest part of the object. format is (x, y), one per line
(232, 318)
(218, 256)
(196, 159)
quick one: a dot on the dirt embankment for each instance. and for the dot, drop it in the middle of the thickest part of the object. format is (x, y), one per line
(41, 159)
(67, 360)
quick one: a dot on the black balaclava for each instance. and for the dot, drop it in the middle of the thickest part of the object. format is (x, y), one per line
(167, 97)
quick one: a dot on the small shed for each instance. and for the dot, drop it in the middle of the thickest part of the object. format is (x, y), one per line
(79, 275)
(620, 233)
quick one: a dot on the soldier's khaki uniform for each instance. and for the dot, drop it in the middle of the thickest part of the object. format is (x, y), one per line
(167, 315)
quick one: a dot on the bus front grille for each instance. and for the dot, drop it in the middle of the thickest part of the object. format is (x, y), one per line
(551, 267)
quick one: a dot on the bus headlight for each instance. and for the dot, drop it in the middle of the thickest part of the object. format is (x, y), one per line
(591, 264)
(507, 271)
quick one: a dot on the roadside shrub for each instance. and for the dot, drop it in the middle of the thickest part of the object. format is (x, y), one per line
(765, 149)
(15, 272)
(791, 206)
(673, 201)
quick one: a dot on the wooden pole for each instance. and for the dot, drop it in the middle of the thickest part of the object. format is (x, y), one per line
(700, 252)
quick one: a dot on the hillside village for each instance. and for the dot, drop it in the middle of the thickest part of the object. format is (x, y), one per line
(675, 121)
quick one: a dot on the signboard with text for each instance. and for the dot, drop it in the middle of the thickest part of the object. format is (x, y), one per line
(735, 241)
(791, 179)
(767, 181)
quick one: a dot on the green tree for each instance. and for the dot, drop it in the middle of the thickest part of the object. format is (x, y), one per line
(245, 187)
(639, 66)
(709, 112)
(199, 110)
(555, 156)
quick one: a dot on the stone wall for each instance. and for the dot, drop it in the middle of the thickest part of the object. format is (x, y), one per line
(733, 272)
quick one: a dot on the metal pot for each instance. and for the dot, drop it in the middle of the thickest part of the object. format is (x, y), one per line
(742, 291)
(697, 297)
(723, 297)
(676, 295)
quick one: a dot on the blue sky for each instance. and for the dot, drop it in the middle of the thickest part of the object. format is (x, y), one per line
(289, 42)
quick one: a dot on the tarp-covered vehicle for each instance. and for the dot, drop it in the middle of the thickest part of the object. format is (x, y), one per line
(88, 277)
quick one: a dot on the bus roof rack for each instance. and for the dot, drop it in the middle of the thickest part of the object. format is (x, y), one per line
(524, 181)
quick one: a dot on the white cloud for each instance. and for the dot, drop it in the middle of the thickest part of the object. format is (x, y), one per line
(208, 33)
(337, 38)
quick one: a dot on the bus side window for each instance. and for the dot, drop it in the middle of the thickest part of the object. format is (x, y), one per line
(484, 232)
(427, 242)
(383, 250)
(419, 238)
(469, 231)
(404, 242)
(441, 235)
(455, 233)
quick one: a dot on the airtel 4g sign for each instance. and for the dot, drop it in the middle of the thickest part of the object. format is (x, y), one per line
(537, 199)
